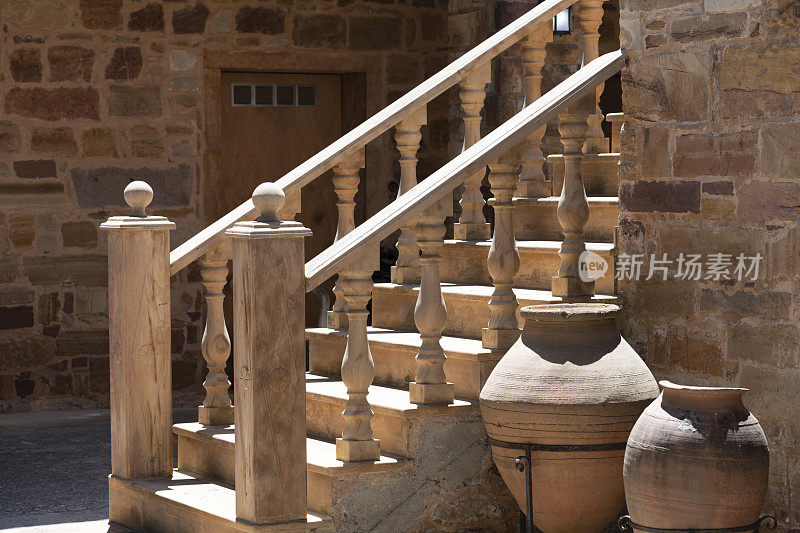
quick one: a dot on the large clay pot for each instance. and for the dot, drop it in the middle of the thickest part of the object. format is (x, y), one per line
(570, 379)
(696, 459)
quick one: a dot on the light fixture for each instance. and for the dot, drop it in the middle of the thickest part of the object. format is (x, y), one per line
(561, 23)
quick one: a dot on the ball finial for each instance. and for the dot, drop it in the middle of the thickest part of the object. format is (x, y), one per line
(138, 195)
(268, 199)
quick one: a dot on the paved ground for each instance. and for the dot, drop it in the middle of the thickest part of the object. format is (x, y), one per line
(54, 468)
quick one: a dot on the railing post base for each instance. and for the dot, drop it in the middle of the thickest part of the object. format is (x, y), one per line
(571, 287)
(431, 393)
(351, 451)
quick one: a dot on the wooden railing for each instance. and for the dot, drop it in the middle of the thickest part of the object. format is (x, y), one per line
(270, 280)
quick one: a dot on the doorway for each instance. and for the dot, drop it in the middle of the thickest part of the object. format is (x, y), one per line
(271, 123)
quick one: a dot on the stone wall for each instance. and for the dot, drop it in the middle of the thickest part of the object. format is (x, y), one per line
(709, 165)
(96, 93)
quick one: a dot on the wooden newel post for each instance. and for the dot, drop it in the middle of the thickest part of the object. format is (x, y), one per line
(430, 314)
(139, 335)
(269, 363)
(216, 346)
(573, 207)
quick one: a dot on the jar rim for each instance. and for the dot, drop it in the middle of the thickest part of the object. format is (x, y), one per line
(666, 384)
(570, 311)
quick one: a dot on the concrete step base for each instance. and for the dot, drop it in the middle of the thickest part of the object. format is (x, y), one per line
(537, 219)
(467, 306)
(208, 451)
(468, 364)
(465, 262)
(185, 503)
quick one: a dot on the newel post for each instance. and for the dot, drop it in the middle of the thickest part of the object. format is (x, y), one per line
(139, 335)
(269, 363)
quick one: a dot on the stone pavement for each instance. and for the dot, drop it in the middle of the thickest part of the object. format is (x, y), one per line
(53, 471)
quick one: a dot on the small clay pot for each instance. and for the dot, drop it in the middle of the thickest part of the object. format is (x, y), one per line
(696, 459)
(570, 379)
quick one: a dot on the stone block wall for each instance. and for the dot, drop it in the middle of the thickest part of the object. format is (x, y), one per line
(709, 165)
(96, 93)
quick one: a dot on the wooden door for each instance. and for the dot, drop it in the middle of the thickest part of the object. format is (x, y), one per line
(270, 124)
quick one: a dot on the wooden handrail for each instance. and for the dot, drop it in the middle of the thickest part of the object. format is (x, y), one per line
(370, 129)
(423, 195)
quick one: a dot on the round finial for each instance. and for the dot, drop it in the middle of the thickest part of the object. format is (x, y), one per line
(268, 199)
(138, 195)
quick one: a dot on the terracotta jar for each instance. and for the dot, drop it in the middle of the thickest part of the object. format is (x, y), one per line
(570, 379)
(696, 459)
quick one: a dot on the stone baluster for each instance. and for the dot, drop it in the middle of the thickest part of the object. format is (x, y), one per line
(216, 345)
(573, 208)
(471, 224)
(139, 335)
(591, 16)
(407, 137)
(358, 368)
(503, 261)
(532, 182)
(430, 314)
(345, 183)
(616, 120)
(269, 363)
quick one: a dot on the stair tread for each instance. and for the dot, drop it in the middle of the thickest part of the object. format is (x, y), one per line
(199, 493)
(382, 399)
(481, 292)
(320, 454)
(533, 245)
(453, 346)
(592, 200)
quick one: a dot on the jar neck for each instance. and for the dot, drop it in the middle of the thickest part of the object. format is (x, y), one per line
(577, 341)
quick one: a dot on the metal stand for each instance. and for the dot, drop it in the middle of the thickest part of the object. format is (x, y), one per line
(626, 524)
(523, 463)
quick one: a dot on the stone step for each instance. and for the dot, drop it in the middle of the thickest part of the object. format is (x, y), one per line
(467, 306)
(468, 365)
(600, 174)
(537, 219)
(393, 419)
(186, 503)
(208, 451)
(465, 262)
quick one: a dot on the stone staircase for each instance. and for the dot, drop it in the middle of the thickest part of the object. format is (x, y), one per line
(392, 443)
(402, 427)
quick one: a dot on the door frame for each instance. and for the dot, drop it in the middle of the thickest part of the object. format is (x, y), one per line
(363, 95)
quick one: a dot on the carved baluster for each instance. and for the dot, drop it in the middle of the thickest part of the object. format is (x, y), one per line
(591, 16)
(408, 136)
(532, 182)
(358, 369)
(345, 183)
(430, 314)
(503, 261)
(471, 224)
(216, 346)
(573, 208)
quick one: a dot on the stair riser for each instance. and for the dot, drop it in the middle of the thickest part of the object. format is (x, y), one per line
(466, 264)
(397, 366)
(534, 222)
(324, 421)
(600, 175)
(216, 461)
